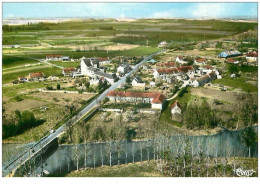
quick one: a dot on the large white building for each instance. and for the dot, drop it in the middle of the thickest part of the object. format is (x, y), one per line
(90, 67)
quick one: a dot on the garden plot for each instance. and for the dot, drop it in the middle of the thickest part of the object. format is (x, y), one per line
(215, 93)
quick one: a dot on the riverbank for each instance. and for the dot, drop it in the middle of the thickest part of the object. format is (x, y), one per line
(150, 169)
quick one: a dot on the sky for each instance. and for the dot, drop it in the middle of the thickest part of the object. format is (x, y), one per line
(130, 10)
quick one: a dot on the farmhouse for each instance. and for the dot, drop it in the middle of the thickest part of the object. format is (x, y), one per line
(162, 44)
(137, 83)
(54, 57)
(179, 59)
(252, 56)
(65, 58)
(232, 61)
(36, 76)
(163, 73)
(90, 67)
(200, 61)
(68, 71)
(175, 108)
(166, 64)
(104, 61)
(157, 100)
(196, 82)
(123, 68)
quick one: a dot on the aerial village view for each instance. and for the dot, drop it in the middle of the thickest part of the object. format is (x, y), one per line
(130, 93)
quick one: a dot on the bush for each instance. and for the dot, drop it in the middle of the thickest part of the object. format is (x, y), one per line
(49, 88)
(182, 91)
(58, 87)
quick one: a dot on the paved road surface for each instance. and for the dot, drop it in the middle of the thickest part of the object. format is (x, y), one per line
(44, 141)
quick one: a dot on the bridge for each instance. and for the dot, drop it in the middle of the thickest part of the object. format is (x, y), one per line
(44, 144)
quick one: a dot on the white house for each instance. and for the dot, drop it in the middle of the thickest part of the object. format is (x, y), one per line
(138, 83)
(180, 60)
(156, 100)
(68, 71)
(251, 59)
(94, 81)
(175, 108)
(152, 84)
(104, 61)
(162, 44)
(123, 68)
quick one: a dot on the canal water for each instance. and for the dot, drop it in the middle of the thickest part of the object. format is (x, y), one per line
(70, 157)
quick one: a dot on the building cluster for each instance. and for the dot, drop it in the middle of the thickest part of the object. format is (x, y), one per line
(156, 100)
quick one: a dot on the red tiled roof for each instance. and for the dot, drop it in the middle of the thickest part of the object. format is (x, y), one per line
(36, 74)
(175, 103)
(168, 64)
(201, 60)
(171, 70)
(53, 56)
(230, 60)
(167, 70)
(185, 68)
(157, 97)
(208, 67)
(252, 54)
(68, 70)
(103, 59)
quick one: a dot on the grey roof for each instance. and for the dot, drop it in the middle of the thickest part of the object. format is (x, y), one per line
(88, 61)
(93, 69)
(109, 76)
(138, 79)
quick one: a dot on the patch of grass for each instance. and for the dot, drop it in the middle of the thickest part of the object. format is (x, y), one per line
(237, 83)
(67, 64)
(47, 71)
(10, 61)
(145, 169)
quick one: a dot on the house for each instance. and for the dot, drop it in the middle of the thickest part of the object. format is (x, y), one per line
(36, 76)
(156, 100)
(23, 79)
(152, 84)
(162, 44)
(53, 78)
(54, 57)
(65, 58)
(200, 61)
(15, 46)
(68, 71)
(104, 61)
(175, 108)
(123, 68)
(152, 61)
(179, 59)
(94, 81)
(196, 82)
(233, 75)
(229, 54)
(137, 83)
(110, 78)
(166, 72)
(166, 64)
(206, 69)
(90, 67)
(252, 56)
(232, 61)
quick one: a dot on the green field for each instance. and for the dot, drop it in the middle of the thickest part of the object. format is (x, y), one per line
(49, 71)
(11, 61)
(237, 83)
(123, 32)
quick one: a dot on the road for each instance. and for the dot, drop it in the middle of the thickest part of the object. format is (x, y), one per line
(45, 140)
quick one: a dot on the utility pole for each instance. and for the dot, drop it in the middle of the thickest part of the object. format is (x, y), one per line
(147, 42)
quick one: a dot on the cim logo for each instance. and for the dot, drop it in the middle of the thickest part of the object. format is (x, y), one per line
(244, 173)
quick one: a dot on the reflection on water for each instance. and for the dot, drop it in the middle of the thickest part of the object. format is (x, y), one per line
(71, 157)
(11, 151)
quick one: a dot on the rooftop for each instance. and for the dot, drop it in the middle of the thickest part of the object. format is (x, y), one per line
(157, 97)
